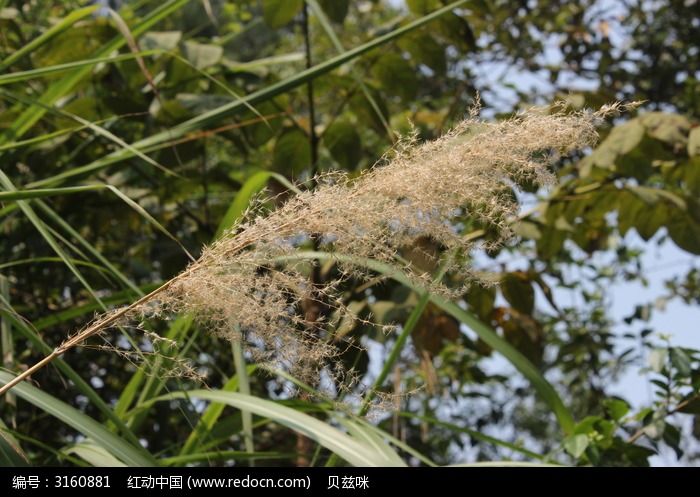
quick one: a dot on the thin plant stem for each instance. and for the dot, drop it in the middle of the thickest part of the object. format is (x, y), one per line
(244, 388)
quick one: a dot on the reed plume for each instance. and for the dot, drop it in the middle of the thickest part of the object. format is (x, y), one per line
(244, 288)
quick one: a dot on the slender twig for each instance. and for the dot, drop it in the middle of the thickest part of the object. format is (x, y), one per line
(312, 314)
(637, 434)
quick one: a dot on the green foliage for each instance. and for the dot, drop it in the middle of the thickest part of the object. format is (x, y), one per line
(277, 13)
(202, 120)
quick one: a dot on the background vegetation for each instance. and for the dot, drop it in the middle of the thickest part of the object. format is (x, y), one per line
(128, 134)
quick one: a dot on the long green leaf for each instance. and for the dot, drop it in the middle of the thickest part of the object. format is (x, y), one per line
(115, 445)
(210, 417)
(39, 260)
(223, 455)
(67, 228)
(95, 454)
(328, 28)
(394, 441)
(44, 231)
(15, 77)
(46, 192)
(353, 451)
(374, 440)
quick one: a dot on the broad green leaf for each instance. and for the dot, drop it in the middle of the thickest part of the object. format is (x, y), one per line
(161, 40)
(48, 35)
(576, 445)
(292, 152)
(113, 444)
(396, 76)
(277, 13)
(653, 195)
(616, 408)
(681, 361)
(77, 43)
(685, 232)
(425, 50)
(518, 291)
(343, 142)
(691, 406)
(621, 140)
(336, 10)
(666, 127)
(202, 55)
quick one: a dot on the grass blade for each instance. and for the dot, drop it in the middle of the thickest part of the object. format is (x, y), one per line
(374, 440)
(113, 444)
(39, 72)
(353, 451)
(11, 454)
(96, 455)
(223, 456)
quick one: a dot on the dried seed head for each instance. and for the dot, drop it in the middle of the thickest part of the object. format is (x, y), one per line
(240, 289)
